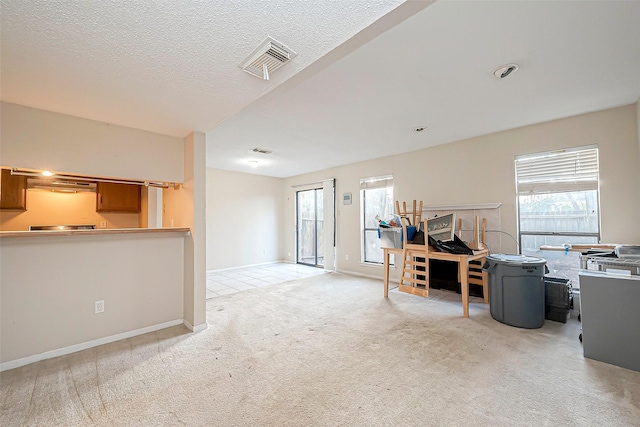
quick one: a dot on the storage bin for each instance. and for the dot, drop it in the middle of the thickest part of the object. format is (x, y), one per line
(516, 289)
(558, 295)
(628, 251)
(391, 237)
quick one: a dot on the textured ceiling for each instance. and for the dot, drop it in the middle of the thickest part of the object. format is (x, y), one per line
(435, 70)
(168, 66)
(366, 74)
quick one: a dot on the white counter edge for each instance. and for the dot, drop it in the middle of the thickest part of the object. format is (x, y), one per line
(96, 232)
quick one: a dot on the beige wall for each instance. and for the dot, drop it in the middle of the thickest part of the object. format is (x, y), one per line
(638, 129)
(244, 219)
(481, 170)
(50, 285)
(43, 140)
(185, 207)
(49, 208)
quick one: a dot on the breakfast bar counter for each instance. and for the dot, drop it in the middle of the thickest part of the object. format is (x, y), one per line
(75, 289)
(97, 231)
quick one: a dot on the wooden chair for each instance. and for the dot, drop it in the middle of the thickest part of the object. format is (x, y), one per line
(415, 258)
(476, 275)
(416, 214)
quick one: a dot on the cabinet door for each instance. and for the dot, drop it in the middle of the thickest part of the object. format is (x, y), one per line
(13, 191)
(118, 197)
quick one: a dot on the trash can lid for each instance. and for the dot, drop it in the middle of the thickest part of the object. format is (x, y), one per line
(516, 259)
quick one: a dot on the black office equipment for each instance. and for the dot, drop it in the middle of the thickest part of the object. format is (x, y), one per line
(456, 246)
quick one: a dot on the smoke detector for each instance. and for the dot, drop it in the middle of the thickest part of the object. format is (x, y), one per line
(266, 58)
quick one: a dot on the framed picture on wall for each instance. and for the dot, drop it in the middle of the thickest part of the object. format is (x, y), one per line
(346, 199)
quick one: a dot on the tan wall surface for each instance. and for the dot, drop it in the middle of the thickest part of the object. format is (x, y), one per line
(638, 129)
(49, 208)
(244, 219)
(185, 207)
(43, 140)
(481, 170)
(50, 284)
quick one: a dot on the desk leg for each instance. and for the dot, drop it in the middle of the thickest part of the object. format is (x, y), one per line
(464, 283)
(386, 272)
(485, 285)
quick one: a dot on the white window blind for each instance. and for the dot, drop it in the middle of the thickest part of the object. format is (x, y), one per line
(376, 182)
(564, 171)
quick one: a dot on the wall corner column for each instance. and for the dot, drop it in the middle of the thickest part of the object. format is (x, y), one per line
(195, 180)
(185, 207)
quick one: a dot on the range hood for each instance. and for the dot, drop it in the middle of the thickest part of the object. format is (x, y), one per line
(60, 185)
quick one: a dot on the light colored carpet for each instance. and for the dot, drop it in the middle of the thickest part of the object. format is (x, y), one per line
(329, 351)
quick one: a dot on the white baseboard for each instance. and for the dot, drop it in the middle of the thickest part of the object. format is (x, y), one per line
(195, 329)
(12, 364)
(244, 266)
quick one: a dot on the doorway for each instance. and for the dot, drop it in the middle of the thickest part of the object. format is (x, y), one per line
(310, 227)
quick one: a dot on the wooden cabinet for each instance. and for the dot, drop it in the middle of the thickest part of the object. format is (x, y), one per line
(13, 191)
(118, 197)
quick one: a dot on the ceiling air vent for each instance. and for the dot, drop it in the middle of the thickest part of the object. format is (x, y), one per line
(261, 151)
(266, 58)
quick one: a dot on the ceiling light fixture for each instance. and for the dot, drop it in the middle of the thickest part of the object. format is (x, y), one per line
(35, 173)
(253, 163)
(504, 70)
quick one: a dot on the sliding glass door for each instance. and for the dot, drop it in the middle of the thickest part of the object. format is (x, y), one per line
(310, 227)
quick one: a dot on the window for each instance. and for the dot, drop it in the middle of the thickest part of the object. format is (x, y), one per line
(376, 199)
(558, 204)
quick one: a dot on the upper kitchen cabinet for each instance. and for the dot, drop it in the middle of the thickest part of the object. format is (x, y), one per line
(13, 191)
(118, 197)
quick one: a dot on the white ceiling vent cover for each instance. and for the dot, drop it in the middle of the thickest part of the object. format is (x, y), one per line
(267, 58)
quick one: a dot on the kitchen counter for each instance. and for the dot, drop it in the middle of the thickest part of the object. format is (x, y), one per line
(97, 231)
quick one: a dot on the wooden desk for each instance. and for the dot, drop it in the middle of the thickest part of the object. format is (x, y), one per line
(463, 271)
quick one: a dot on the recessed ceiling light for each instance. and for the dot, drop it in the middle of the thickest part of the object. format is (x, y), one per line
(420, 128)
(253, 163)
(504, 70)
(261, 151)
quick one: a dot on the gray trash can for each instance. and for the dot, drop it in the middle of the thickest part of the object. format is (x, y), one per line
(516, 289)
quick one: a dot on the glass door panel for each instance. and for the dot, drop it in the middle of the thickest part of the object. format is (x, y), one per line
(319, 228)
(310, 227)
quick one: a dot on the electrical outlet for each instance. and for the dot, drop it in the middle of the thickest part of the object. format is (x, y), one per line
(346, 257)
(103, 224)
(100, 306)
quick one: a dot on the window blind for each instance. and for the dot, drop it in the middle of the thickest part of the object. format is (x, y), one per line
(567, 170)
(376, 182)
